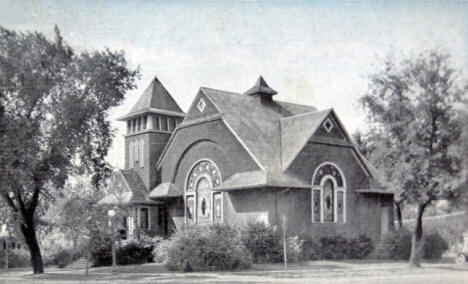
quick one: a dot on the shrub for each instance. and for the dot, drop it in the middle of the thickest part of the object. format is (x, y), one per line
(333, 247)
(210, 247)
(160, 251)
(128, 252)
(398, 244)
(434, 245)
(294, 249)
(134, 252)
(360, 247)
(16, 258)
(263, 241)
(62, 258)
(310, 249)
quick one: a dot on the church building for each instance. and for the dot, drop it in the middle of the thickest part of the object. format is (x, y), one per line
(237, 158)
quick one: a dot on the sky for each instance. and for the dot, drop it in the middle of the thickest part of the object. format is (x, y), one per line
(318, 53)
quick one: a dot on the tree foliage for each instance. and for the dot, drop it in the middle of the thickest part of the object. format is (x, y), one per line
(416, 133)
(54, 106)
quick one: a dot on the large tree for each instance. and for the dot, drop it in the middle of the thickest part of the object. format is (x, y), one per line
(412, 106)
(54, 106)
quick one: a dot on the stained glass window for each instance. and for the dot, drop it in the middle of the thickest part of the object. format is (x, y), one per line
(340, 205)
(328, 201)
(190, 209)
(202, 178)
(316, 205)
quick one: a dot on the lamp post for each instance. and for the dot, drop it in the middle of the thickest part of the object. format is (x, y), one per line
(111, 214)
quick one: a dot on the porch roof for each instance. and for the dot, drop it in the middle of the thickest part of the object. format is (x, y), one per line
(165, 189)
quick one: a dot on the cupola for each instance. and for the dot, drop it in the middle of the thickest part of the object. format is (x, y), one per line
(261, 89)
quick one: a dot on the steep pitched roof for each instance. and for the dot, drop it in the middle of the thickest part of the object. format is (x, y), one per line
(296, 131)
(155, 99)
(127, 188)
(256, 124)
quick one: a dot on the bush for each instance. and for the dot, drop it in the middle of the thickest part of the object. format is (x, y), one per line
(160, 251)
(360, 247)
(333, 247)
(62, 258)
(134, 252)
(263, 241)
(210, 247)
(398, 244)
(16, 258)
(434, 245)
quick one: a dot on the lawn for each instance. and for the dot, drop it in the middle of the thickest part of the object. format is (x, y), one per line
(321, 271)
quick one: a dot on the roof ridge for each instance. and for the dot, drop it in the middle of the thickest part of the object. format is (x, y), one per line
(219, 90)
(307, 113)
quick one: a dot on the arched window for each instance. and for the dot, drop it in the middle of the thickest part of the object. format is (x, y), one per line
(202, 204)
(328, 194)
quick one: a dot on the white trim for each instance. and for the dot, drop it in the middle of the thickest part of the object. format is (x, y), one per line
(333, 164)
(324, 124)
(201, 105)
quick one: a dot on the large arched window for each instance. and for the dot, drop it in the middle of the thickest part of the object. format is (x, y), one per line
(328, 194)
(202, 204)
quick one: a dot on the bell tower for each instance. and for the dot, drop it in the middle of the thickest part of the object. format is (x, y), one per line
(150, 123)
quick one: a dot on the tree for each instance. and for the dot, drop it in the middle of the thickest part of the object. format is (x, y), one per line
(54, 107)
(412, 108)
(373, 146)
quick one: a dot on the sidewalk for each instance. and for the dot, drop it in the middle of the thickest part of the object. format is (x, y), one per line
(315, 271)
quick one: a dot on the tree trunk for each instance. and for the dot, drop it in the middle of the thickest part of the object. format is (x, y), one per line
(399, 218)
(416, 239)
(29, 233)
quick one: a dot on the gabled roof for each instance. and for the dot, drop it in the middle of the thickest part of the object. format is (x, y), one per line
(155, 99)
(296, 131)
(260, 87)
(256, 125)
(126, 188)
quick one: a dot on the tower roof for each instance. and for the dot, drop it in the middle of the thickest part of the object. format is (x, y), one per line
(260, 87)
(155, 99)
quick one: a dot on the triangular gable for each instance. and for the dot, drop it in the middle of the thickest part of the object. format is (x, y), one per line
(296, 131)
(330, 128)
(202, 106)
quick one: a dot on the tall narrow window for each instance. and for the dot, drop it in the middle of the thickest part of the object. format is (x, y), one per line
(217, 207)
(145, 122)
(134, 129)
(144, 218)
(163, 123)
(340, 207)
(129, 126)
(190, 208)
(130, 155)
(136, 155)
(156, 122)
(142, 153)
(139, 124)
(328, 201)
(316, 205)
